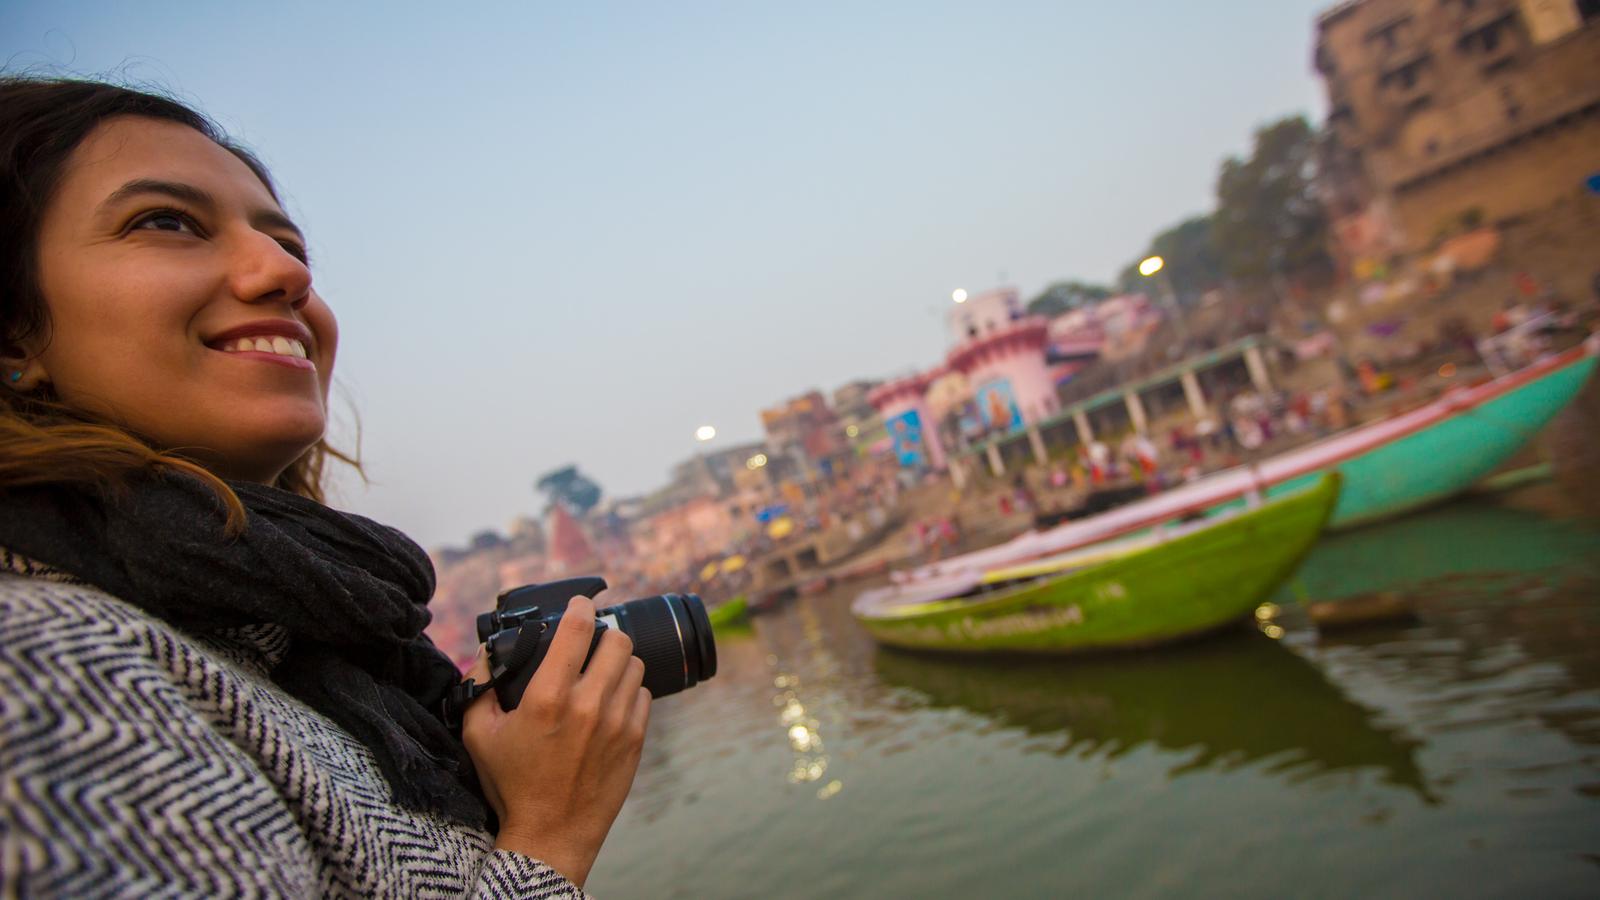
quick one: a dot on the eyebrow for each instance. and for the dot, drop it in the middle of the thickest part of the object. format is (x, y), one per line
(188, 193)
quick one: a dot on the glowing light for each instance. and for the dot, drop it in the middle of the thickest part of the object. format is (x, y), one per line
(958, 295)
(1448, 370)
(704, 433)
(1266, 612)
(829, 789)
(1272, 631)
(851, 431)
(800, 738)
(1151, 265)
(756, 462)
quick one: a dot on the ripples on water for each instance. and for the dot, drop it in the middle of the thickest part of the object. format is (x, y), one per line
(1456, 754)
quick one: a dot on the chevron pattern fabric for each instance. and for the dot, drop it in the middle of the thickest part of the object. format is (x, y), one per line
(137, 761)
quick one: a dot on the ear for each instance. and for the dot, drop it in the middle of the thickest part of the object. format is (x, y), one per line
(21, 372)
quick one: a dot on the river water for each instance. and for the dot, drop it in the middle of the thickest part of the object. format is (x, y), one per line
(1458, 754)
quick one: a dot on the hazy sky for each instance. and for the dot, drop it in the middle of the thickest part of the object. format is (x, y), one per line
(576, 231)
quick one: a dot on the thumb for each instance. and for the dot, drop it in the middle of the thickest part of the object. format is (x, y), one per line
(485, 706)
(479, 670)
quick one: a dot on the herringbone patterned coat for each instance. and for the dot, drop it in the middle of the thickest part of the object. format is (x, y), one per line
(137, 761)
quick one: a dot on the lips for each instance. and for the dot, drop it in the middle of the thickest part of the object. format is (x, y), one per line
(281, 339)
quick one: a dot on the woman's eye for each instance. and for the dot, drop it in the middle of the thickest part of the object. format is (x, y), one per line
(167, 221)
(296, 250)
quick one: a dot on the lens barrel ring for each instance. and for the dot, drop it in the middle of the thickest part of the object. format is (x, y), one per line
(658, 642)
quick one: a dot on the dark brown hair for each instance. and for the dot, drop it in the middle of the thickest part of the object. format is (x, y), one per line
(43, 441)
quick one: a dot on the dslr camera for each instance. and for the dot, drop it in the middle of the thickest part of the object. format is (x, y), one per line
(670, 633)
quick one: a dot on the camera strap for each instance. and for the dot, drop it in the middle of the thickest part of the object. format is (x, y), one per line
(458, 698)
(461, 694)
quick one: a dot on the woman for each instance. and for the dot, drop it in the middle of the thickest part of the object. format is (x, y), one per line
(209, 681)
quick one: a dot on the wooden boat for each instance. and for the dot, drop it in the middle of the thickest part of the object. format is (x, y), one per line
(813, 586)
(1390, 467)
(1159, 587)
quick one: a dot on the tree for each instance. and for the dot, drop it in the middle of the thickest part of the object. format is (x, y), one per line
(1192, 264)
(1269, 221)
(1061, 296)
(1189, 249)
(573, 490)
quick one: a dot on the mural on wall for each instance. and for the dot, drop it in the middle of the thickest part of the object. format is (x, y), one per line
(906, 432)
(997, 403)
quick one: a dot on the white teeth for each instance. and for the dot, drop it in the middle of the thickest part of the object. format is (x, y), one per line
(281, 346)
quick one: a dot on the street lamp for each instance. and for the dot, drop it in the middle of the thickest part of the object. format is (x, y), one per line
(1149, 267)
(702, 435)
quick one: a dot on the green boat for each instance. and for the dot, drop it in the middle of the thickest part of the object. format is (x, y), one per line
(724, 614)
(1171, 584)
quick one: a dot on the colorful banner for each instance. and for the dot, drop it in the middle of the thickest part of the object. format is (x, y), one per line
(998, 406)
(906, 432)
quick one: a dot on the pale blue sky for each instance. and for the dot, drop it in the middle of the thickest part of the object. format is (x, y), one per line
(574, 232)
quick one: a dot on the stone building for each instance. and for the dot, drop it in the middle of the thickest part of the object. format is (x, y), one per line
(1446, 113)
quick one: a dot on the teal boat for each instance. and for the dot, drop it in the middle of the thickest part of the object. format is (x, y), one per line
(1390, 467)
(1167, 585)
(1433, 453)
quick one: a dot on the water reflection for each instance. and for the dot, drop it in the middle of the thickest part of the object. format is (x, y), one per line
(810, 759)
(1242, 764)
(1232, 701)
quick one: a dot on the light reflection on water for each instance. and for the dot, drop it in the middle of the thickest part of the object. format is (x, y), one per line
(1457, 753)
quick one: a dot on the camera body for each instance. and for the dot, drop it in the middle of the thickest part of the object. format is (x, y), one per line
(671, 635)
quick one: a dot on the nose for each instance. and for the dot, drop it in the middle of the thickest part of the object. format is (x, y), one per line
(262, 271)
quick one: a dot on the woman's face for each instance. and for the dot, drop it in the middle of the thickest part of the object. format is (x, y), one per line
(180, 301)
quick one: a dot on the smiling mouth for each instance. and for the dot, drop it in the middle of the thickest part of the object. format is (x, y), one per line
(275, 344)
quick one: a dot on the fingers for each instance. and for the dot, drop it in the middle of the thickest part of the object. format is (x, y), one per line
(564, 659)
(639, 716)
(611, 665)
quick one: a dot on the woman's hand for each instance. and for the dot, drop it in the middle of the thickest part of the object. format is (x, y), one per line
(557, 768)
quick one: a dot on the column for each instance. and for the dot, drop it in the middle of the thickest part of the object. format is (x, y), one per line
(1085, 433)
(996, 464)
(1036, 441)
(1257, 364)
(1192, 392)
(1136, 411)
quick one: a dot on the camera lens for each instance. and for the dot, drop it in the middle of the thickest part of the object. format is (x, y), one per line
(672, 636)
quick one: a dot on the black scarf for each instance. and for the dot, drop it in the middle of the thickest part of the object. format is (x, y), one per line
(352, 593)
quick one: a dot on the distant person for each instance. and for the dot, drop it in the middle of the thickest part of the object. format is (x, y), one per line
(214, 684)
(1023, 494)
(1099, 462)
